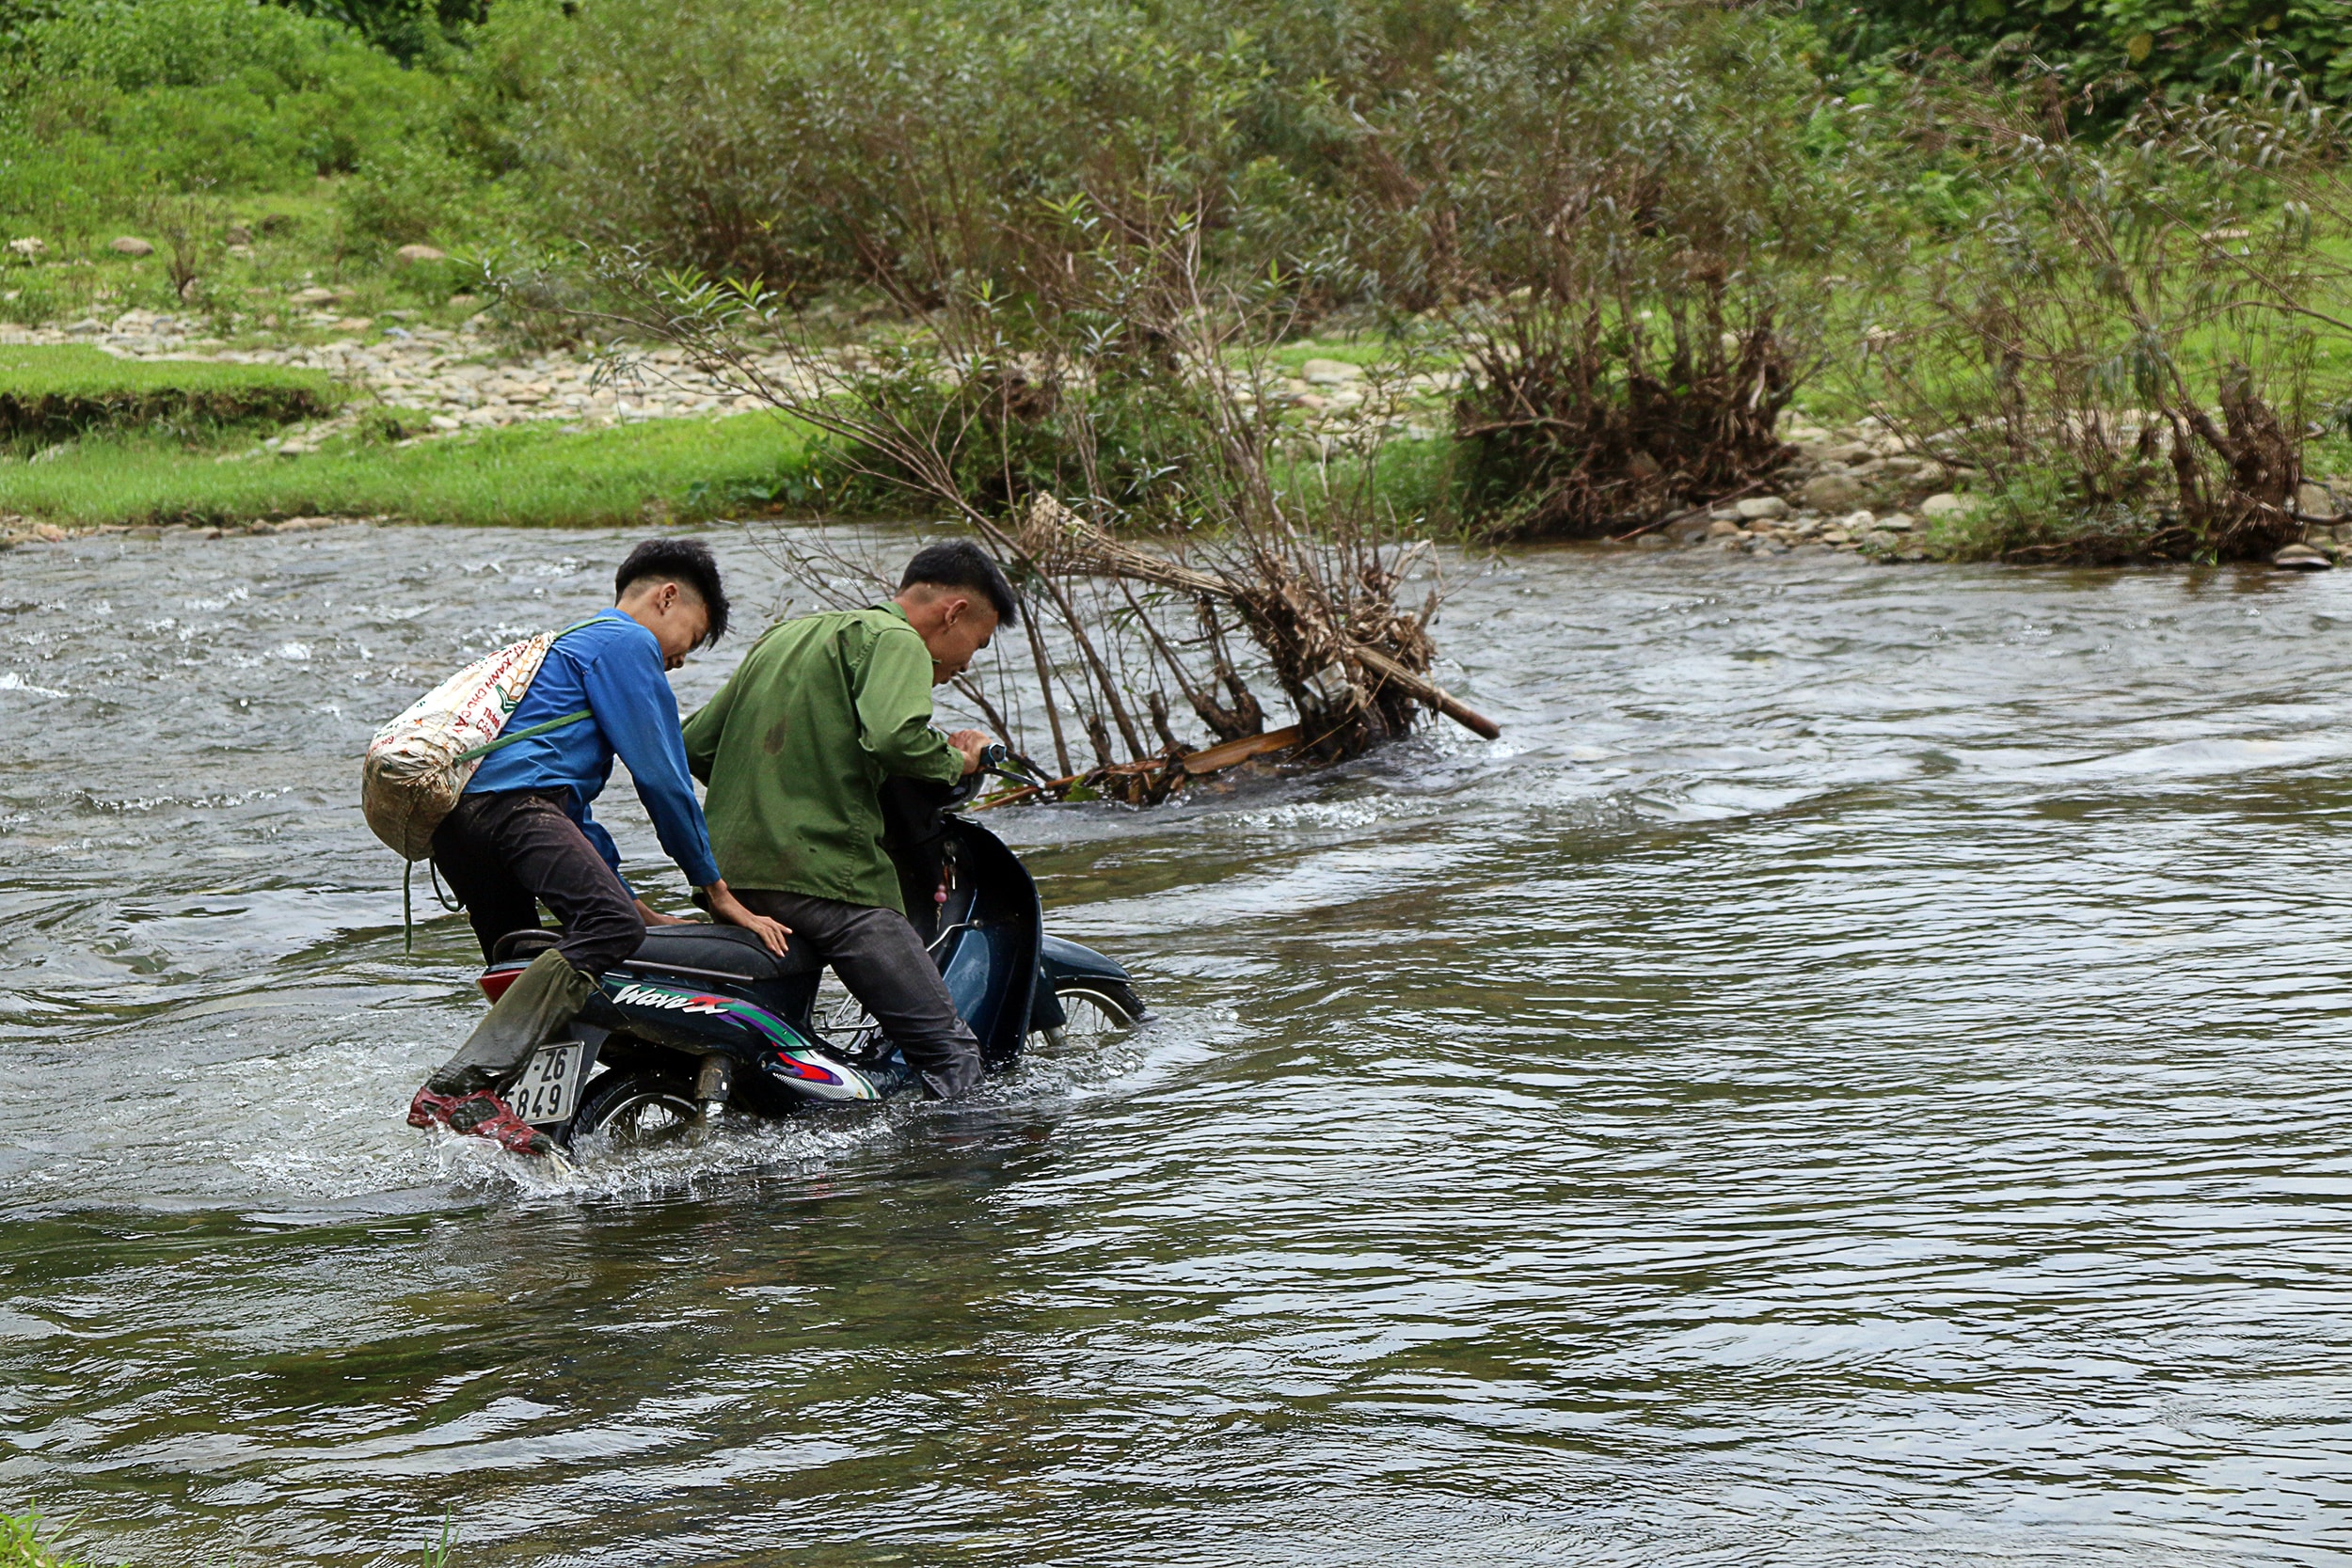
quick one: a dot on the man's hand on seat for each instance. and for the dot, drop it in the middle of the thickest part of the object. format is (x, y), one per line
(652, 916)
(971, 743)
(727, 909)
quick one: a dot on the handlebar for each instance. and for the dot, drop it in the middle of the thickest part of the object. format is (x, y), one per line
(992, 760)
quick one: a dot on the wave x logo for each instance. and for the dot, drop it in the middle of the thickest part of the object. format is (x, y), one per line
(677, 1001)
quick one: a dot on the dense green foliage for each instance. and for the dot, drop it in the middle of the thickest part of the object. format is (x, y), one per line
(2131, 344)
(409, 30)
(1387, 150)
(1384, 151)
(1648, 168)
(1657, 321)
(1640, 226)
(114, 113)
(2170, 43)
(111, 104)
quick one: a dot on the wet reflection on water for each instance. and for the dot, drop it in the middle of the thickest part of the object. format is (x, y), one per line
(1854, 1078)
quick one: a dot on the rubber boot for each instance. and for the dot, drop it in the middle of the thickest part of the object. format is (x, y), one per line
(542, 1001)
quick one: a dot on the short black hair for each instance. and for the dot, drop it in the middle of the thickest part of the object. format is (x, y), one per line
(961, 563)
(686, 563)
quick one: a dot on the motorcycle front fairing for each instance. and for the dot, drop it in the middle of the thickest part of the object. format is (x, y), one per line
(989, 954)
(974, 904)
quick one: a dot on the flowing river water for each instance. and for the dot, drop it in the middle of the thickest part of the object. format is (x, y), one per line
(1858, 1075)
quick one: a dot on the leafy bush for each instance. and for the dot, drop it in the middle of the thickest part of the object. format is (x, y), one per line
(2124, 344)
(106, 100)
(411, 31)
(2173, 44)
(1600, 159)
(808, 144)
(1614, 208)
(132, 45)
(1115, 433)
(412, 191)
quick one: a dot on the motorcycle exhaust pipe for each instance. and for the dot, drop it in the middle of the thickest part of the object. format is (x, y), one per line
(714, 1084)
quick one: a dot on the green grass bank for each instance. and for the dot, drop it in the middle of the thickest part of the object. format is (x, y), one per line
(530, 476)
(53, 393)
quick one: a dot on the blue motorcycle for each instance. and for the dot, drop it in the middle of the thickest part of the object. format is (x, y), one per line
(705, 1019)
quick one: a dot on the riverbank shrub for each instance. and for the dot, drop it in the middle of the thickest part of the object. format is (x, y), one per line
(109, 107)
(809, 144)
(106, 101)
(2125, 346)
(1627, 229)
(1638, 226)
(1023, 425)
(411, 31)
(1609, 208)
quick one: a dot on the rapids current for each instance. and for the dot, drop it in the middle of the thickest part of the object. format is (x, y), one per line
(1854, 1077)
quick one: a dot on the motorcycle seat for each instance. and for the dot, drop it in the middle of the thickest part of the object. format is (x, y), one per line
(728, 950)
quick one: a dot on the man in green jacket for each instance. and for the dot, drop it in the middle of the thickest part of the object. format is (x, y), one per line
(795, 747)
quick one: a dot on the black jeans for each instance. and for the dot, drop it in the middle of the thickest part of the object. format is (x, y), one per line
(883, 963)
(506, 854)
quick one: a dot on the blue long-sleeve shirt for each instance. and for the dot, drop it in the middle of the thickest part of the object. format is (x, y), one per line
(612, 667)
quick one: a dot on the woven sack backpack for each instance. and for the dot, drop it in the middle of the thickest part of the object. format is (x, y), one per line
(419, 765)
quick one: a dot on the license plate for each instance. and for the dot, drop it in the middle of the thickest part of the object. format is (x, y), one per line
(549, 1086)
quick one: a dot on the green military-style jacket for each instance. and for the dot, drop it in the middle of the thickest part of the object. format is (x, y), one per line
(797, 743)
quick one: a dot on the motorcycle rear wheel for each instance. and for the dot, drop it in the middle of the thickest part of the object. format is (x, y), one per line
(1093, 1010)
(637, 1108)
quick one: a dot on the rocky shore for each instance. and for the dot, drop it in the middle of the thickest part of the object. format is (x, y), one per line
(463, 378)
(1865, 489)
(449, 379)
(15, 530)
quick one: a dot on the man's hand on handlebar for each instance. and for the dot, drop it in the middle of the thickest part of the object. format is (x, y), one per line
(974, 746)
(727, 909)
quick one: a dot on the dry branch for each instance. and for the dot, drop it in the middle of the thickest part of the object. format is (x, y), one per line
(1060, 540)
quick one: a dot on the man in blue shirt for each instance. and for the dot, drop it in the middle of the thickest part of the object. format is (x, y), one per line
(521, 835)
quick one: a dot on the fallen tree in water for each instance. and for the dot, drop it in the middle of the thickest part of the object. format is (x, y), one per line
(1272, 562)
(1322, 612)
(1112, 625)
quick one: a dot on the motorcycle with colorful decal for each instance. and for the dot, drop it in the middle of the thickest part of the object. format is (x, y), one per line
(703, 1020)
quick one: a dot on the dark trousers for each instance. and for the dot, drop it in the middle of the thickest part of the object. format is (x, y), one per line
(506, 854)
(883, 963)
